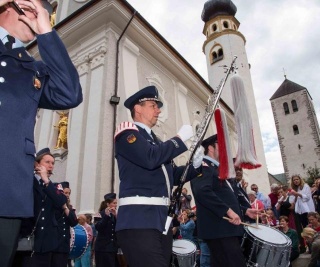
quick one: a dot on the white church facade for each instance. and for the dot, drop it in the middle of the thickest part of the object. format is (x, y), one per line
(117, 52)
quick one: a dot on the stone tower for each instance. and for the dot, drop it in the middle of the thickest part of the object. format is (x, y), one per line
(297, 128)
(223, 42)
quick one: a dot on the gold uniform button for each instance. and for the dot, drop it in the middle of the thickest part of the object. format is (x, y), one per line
(20, 55)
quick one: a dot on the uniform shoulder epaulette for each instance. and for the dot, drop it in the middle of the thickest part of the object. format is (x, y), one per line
(124, 126)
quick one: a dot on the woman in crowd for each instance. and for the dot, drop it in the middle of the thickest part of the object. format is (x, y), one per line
(106, 247)
(292, 234)
(304, 203)
(313, 237)
(187, 225)
(285, 205)
(254, 202)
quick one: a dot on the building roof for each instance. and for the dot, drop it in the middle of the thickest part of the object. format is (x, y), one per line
(280, 178)
(286, 88)
(213, 8)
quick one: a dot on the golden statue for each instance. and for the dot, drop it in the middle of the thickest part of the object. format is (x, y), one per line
(62, 126)
(53, 19)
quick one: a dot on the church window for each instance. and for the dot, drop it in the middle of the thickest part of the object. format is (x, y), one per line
(303, 165)
(299, 146)
(295, 129)
(294, 106)
(286, 108)
(226, 24)
(216, 54)
(214, 27)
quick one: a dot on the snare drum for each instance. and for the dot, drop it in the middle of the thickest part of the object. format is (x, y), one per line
(79, 241)
(266, 247)
(185, 252)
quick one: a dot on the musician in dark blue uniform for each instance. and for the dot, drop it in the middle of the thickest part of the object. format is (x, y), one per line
(106, 247)
(48, 197)
(25, 86)
(215, 199)
(66, 218)
(147, 175)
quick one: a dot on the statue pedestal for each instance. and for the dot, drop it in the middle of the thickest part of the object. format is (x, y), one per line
(59, 153)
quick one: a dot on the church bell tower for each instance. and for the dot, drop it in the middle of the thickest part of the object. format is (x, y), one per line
(223, 42)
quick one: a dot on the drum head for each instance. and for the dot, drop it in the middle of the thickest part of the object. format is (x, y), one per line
(267, 234)
(183, 247)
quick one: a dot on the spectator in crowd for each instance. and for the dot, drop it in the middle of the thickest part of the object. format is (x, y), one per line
(314, 221)
(304, 203)
(106, 247)
(274, 198)
(27, 85)
(187, 225)
(316, 195)
(313, 237)
(185, 200)
(84, 261)
(254, 202)
(269, 218)
(292, 234)
(285, 205)
(260, 196)
(94, 233)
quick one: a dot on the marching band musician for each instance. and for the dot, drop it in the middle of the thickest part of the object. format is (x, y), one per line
(47, 199)
(215, 199)
(106, 247)
(66, 218)
(25, 86)
(147, 174)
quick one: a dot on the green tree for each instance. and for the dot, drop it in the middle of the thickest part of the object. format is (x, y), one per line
(312, 175)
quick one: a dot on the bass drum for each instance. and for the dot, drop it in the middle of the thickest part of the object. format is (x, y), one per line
(266, 247)
(79, 241)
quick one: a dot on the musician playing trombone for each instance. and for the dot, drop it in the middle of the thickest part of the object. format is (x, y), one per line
(147, 174)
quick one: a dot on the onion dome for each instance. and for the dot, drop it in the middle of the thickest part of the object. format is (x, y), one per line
(213, 8)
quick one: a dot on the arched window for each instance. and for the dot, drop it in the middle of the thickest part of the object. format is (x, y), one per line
(214, 27)
(216, 54)
(295, 129)
(286, 108)
(226, 24)
(294, 106)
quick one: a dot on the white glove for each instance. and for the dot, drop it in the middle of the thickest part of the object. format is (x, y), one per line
(185, 132)
(198, 157)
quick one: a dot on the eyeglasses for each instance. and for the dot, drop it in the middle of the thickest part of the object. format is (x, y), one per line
(254, 188)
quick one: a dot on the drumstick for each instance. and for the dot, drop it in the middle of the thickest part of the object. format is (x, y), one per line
(257, 219)
(246, 224)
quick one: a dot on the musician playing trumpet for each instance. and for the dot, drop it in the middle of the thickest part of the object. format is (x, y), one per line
(48, 197)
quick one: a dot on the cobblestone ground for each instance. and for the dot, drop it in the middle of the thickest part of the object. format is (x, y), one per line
(302, 261)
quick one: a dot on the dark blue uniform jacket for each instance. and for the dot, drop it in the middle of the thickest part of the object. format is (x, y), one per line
(213, 198)
(139, 162)
(28, 85)
(106, 238)
(46, 200)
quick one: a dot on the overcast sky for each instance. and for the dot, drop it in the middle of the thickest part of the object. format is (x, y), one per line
(279, 33)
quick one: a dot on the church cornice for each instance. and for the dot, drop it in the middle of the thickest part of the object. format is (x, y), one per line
(219, 34)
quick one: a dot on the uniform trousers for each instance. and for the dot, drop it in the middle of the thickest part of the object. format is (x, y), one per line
(145, 247)
(106, 259)
(48, 259)
(226, 252)
(9, 233)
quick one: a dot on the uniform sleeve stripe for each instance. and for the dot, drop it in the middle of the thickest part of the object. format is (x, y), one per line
(124, 126)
